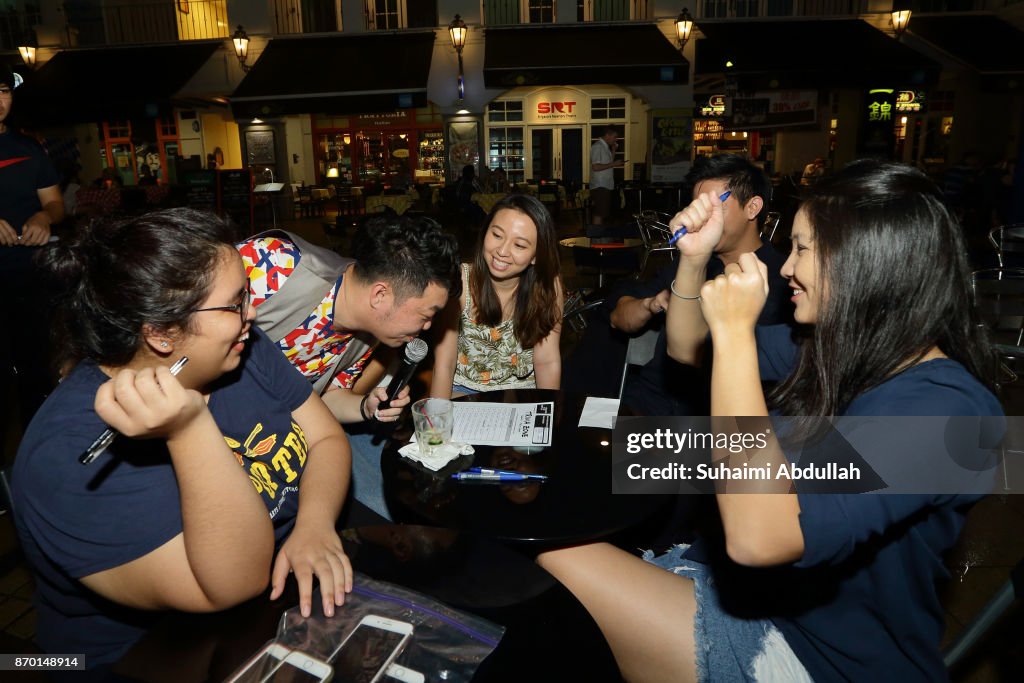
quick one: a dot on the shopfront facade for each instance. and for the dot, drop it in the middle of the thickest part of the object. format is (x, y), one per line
(376, 148)
(546, 133)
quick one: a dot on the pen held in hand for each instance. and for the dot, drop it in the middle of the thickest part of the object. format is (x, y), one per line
(107, 437)
(682, 231)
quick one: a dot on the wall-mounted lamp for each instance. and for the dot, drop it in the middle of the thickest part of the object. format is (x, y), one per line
(332, 172)
(240, 41)
(347, 139)
(458, 32)
(27, 48)
(900, 20)
(684, 26)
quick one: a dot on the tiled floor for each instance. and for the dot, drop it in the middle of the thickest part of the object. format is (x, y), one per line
(991, 544)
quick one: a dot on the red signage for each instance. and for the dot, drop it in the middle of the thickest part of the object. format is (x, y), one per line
(555, 107)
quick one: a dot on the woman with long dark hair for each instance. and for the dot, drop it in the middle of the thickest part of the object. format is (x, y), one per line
(503, 332)
(218, 469)
(804, 585)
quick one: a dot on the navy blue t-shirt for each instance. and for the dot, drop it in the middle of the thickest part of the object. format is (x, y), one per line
(861, 602)
(665, 387)
(76, 520)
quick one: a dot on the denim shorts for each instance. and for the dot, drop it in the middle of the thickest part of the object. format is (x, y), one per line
(730, 648)
(459, 389)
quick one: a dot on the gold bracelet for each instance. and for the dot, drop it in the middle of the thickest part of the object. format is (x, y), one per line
(677, 294)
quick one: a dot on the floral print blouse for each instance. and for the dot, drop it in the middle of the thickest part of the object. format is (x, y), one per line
(490, 358)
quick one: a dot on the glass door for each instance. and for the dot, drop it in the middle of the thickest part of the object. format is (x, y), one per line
(556, 153)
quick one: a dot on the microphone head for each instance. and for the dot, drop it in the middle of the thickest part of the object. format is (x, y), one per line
(416, 350)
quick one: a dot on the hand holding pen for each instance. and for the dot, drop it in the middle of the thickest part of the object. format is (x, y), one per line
(696, 220)
(104, 439)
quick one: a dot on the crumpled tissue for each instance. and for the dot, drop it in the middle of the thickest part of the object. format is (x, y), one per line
(441, 456)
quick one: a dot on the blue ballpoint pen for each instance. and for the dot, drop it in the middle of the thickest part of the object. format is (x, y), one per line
(495, 476)
(487, 470)
(682, 231)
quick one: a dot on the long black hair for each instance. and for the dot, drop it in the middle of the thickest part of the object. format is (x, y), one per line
(116, 276)
(893, 262)
(537, 311)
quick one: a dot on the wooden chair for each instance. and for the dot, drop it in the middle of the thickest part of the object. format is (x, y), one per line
(303, 200)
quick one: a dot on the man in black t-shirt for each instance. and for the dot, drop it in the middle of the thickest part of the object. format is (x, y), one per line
(663, 386)
(30, 202)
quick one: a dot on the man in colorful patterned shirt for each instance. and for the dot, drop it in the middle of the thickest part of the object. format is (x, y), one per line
(403, 271)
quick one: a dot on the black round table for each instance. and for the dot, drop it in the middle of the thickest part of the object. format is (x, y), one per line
(574, 505)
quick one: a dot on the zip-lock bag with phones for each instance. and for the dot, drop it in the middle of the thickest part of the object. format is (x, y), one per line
(383, 633)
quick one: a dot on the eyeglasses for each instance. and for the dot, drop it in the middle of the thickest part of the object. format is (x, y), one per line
(242, 307)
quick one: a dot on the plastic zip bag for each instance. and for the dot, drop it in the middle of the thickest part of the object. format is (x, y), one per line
(396, 626)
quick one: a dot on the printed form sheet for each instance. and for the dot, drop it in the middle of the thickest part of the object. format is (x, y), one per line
(503, 424)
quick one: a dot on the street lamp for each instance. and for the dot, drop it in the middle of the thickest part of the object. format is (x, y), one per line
(240, 40)
(458, 32)
(900, 19)
(28, 49)
(684, 25)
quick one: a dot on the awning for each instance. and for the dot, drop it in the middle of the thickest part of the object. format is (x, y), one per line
(818, 53)
(337, 75)
(110, 84)
(991, 46)
(577, 55)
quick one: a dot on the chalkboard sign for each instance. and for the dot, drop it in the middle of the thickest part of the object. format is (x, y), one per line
(200, 190)
(234, 197)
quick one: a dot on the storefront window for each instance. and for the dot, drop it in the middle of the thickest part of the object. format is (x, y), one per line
(505, 111)
(430, 160)
(380, 155)
(505, 150)
(605, 108)
(334, 151)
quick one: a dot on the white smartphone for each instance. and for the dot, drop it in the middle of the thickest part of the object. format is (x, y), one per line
(298, 667)
(261, 665)
(400, 673)
(370, 649)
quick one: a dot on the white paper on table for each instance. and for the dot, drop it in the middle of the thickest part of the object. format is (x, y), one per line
(503, 424)
(599, 412)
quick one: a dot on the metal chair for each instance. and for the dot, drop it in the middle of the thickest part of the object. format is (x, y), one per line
(655, 232)
(1008, 241)
(998, 295)
(576, 312)
(6, 497)
(989, 614)
(639, 351)
(771, 226)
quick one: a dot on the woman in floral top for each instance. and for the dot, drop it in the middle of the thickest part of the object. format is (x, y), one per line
(503, 332)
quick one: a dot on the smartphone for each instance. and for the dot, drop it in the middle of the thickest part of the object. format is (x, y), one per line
(400, 673)
(298, 667)
(262, 664)
(370, 649)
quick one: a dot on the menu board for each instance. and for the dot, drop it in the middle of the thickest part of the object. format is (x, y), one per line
(234, 197)
(200, 190)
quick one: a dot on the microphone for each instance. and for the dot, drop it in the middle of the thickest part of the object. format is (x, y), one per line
(415, 351)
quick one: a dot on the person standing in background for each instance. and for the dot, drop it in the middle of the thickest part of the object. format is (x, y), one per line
(602, 175)
(30, 202)
(812, 172)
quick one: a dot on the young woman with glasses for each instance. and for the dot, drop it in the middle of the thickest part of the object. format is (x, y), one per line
(226, 477)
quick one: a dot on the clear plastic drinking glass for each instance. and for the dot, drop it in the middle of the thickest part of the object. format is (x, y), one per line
(433, 420)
